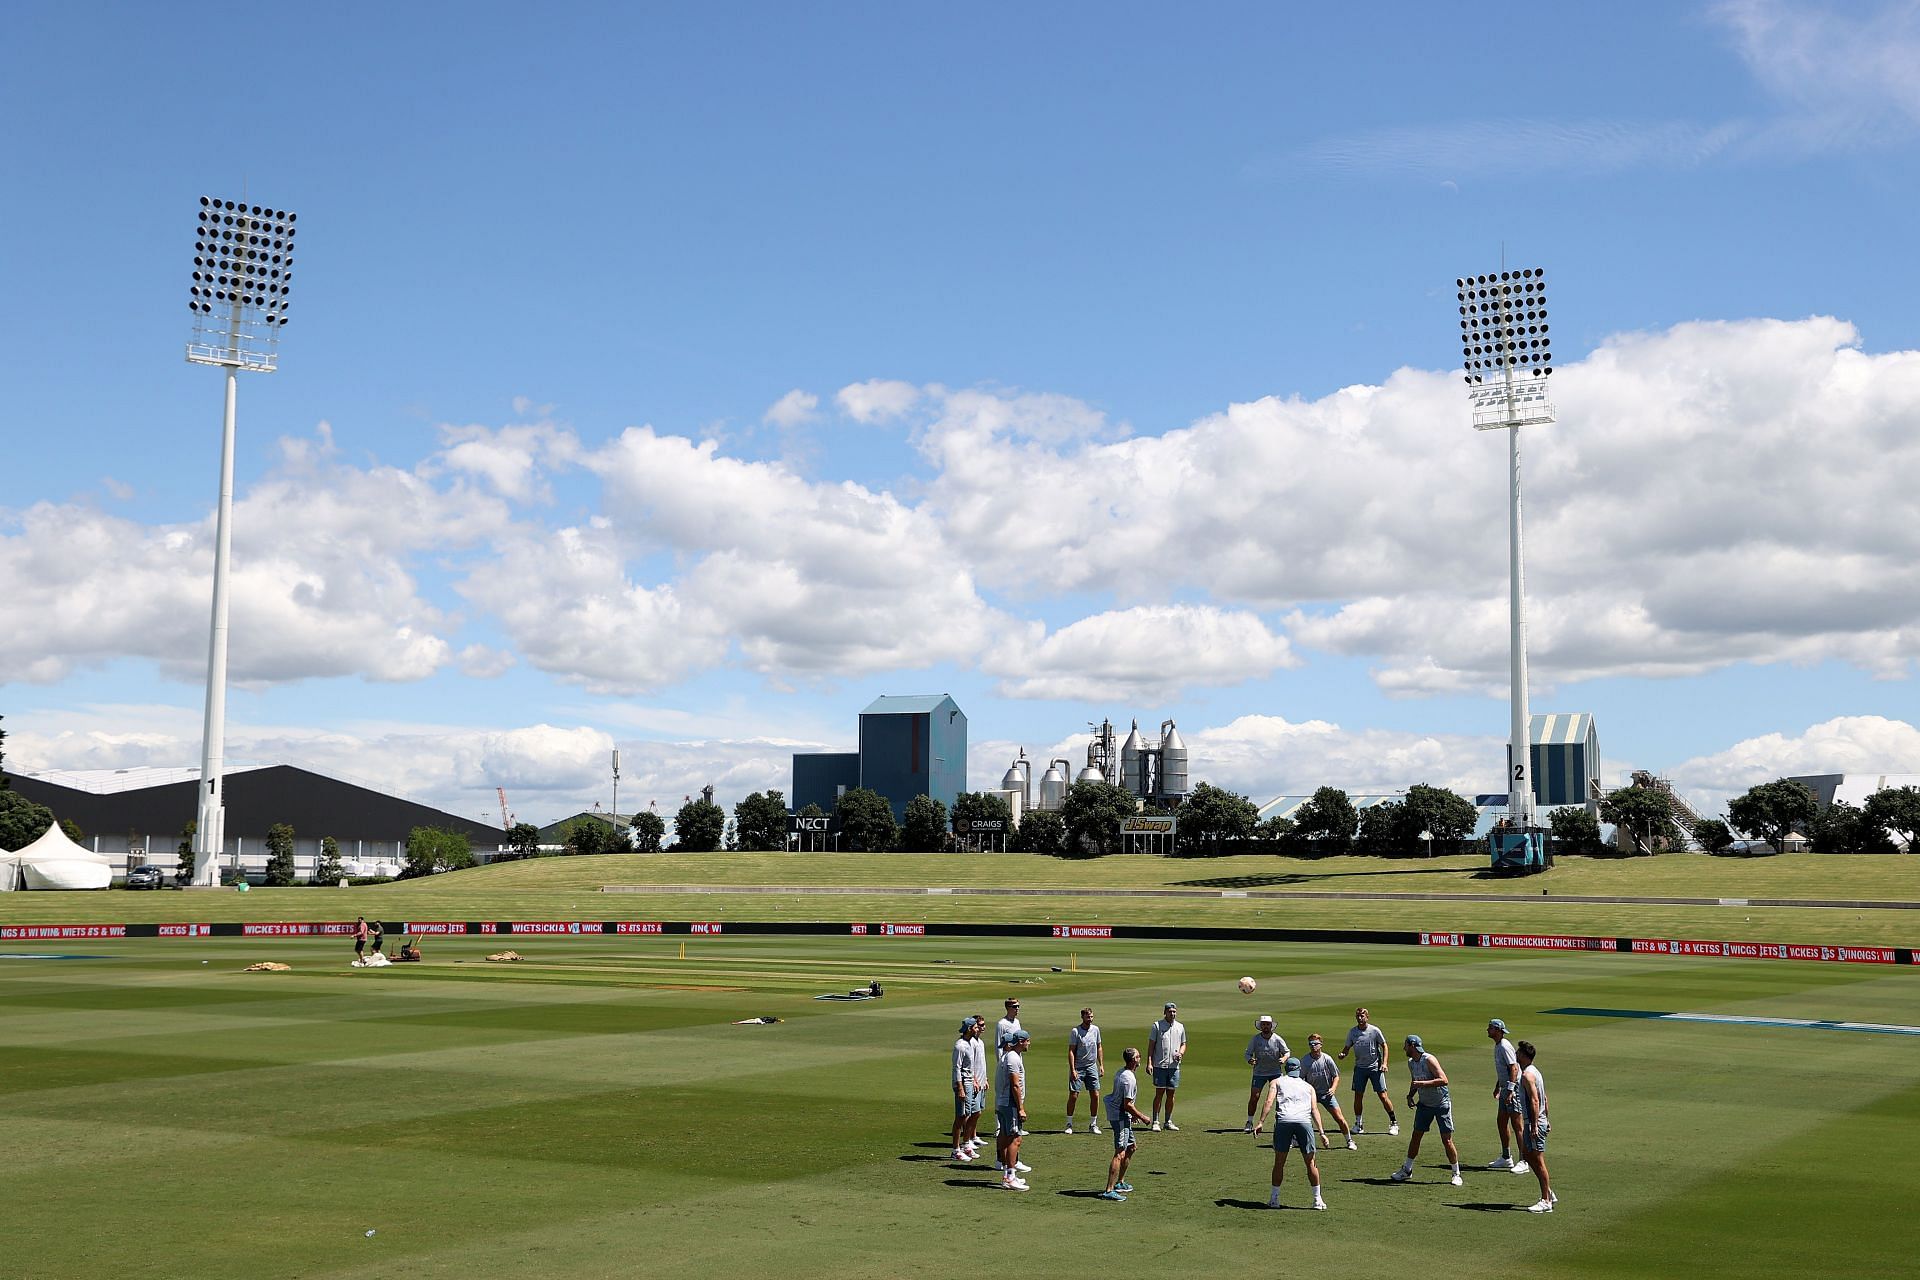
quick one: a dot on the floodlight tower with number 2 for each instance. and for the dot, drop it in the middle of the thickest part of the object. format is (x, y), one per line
(1508, 358)
(242, 274)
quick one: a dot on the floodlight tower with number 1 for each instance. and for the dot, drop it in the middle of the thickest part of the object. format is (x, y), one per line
(242, 274)
(1508, 358)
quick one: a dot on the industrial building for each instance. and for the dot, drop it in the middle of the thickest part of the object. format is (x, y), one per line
(1154, 769)
(1564, 753)
(137, 815)
(909, 746)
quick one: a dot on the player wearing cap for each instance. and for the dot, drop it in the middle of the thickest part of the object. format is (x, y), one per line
(1010, 1093)
(1320, 1070)
(1122, 1111)
(1368, 1044)
(1429, 1085)
(1506, 1096)
(1291, 1100)
(1006, 1027)
(1267, 1054)
(1166, 1045)
(1534, 1126)
(1086, 1060)
(966, 1103)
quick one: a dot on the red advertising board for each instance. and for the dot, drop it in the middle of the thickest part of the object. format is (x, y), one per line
(56, 931)
(1545, 942)
(1083, 931)
(1443, 939)
(638, 926)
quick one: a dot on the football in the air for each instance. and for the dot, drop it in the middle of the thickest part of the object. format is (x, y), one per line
(1247, 985)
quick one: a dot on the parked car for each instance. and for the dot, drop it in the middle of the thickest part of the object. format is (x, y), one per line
(147, 876)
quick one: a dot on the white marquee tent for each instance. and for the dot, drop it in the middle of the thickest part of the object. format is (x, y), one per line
(55, 862)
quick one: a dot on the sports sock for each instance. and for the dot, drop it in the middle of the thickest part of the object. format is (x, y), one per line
(1506, 1153)
(1455, 1167)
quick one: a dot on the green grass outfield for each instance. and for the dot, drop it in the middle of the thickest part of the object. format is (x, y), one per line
(569, 888)
(594, 1112)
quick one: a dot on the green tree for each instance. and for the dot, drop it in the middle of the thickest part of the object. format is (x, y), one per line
(431, 849)
(1644, 814)
(280, 854)
(866, 821)
(649, 828)
(591, 834)
(21, 820)
(1772, 811)
(1276, 830)
(328, 870)
(925, 830)
(760, 821)
(1712, 835)
(522, 841)
(1383, 830)
(1040, 831)
(978, 806)
(699, 827)
(1326, 822)
(183, 852)
(1574, 832)
(1092, 813)
(1895, 811)
(1843, 828)
(1447, 815)
(1214, 818)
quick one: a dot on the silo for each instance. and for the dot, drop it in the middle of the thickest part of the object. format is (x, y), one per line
(1173, 762)
(1053, 785)
(1090, 774)
(1020, 777)
(1130, 761)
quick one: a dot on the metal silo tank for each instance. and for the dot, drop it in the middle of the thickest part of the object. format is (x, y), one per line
(1130, 760)
(1173, 761)
(1090, 774)
(1053, 785)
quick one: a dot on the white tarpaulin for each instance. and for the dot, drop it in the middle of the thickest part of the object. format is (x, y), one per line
(55, 862)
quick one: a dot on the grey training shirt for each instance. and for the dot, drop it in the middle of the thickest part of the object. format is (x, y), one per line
(1369, 1047)
(1320, 1071)
(1085, 1046)
(1268, 1054)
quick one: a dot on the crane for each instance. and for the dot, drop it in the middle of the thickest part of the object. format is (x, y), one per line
(506, 819)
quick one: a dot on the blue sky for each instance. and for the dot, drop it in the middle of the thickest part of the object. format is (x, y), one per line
(680, 378)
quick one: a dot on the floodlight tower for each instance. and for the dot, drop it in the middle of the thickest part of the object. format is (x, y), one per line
(1508, 358)
(242, 274)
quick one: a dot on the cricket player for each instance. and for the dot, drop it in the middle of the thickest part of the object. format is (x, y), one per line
(1166, 1046)
(1267, 1054)
(1368, 1044)
(1006, 1027)
(1534, 1126)
(1122, 1111)
(966, 1099)
(1429, 1085)
(980, 1080)
(1010, 1095)
(1086, 1062)
(1320, 1070)
(1291, 1100)
(1506, 1097)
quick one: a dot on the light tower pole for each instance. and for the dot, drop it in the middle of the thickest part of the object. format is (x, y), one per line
(1508, 357)
(242, 274)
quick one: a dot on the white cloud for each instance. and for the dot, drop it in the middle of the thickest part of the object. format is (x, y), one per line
(1850, 67)
(1845, 744)
(483, 662)
(792, 409)
(1148, 653)
(877, 400)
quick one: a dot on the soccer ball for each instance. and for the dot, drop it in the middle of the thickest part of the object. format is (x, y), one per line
(1247, 985)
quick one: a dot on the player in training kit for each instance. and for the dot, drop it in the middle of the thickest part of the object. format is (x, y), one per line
(1122, 1111)
(1429, 1085)
(1534, 1126)
(1291, 1100)
(1010, 1089)
(980, 1079)
(1506, 1097)
(1267, 1054)
(1320, 1070)
(1006, 1027)
(1368, 1044)
(966, 1099)
(1166, 1045)
(1086, 1060)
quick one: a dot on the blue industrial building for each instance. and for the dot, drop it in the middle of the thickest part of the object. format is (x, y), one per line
(909, 746)
(1565, 751)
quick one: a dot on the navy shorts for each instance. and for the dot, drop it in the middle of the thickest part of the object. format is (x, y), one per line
(1122, 1132)
(1087, 1081)
(1009, 1118)
(1509, 1104)
(1424, 1116)
(1167, 1077)
(1365, 1078)
(1261, 1079)
(1293, 1133)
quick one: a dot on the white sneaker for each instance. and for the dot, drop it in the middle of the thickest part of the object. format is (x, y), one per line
(1319, 1203)
(1540, 1206)
(1504, 1162)
(1015, 1184)
(1359, 1126)
(1523, 1168)
(962, 1154)
(1069, 1128)
(1400, 1175)
(1455, 1180)
(1094, 1127)
(1248, 1128)
(1553, 1197)
(1273, 1202)
(1020, 1167)
(1172, 1127)
(1352, 1145)
(1393, 1130)
(1156, 1126)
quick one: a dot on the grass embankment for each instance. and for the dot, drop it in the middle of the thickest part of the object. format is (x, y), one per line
(569, 888)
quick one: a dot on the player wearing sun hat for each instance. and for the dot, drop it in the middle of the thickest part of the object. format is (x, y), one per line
(1291, 1100)
(1435, 1105)
(1506, 1096)
(1267, 1054)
